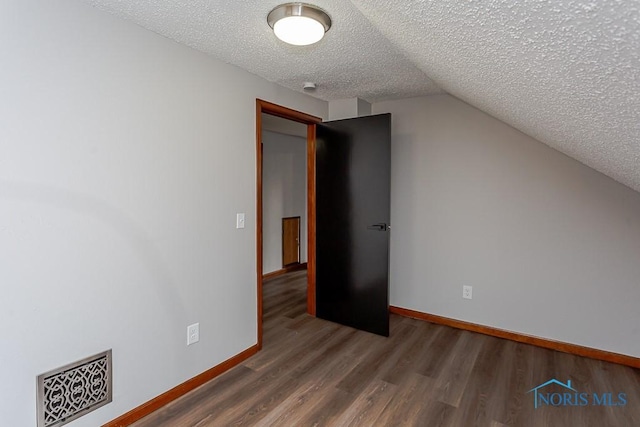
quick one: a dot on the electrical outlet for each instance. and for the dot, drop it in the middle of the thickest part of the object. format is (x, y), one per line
(240, 220)
(193, 333)
(467, 292)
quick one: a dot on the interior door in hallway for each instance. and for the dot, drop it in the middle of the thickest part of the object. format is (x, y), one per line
(353, 172)
(290, 241)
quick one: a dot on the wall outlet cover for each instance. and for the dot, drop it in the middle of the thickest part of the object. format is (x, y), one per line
(193, 333)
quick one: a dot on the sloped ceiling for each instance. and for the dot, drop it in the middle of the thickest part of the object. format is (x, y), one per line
(566, 72)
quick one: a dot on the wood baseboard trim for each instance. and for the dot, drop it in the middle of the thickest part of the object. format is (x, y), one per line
(285, 270)
(578, 350)
(180, 390)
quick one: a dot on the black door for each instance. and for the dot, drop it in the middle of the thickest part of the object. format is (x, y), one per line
(353, 162)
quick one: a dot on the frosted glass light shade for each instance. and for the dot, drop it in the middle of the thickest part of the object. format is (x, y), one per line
(299, 24)
(299, 30)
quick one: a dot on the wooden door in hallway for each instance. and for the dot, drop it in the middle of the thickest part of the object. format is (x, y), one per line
(290, 241)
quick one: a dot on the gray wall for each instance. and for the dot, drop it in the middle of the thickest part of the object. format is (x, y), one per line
(284, 193)
(550, 246)
(124, 158)
(348, 108)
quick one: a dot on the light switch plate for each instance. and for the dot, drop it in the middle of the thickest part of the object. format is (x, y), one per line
(240, 220)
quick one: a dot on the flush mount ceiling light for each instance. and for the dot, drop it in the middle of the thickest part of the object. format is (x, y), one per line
(298, 23)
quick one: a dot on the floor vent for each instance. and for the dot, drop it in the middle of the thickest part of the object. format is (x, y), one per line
(74, 390)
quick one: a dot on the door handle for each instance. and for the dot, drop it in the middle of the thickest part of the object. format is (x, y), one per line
(379, 227)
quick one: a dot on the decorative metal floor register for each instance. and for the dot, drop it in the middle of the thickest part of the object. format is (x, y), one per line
(74, 390)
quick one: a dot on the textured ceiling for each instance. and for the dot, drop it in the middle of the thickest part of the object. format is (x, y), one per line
(566, 72)
(353, 60)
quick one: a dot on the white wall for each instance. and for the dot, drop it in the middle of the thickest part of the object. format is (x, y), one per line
(123, 160)
(284, 194)
(348, 108)
(288, 127)
(550, 246)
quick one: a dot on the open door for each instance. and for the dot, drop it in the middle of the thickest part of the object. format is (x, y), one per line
(353, 172)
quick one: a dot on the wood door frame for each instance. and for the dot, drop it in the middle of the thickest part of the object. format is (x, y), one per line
(298, 242)
(311, 121)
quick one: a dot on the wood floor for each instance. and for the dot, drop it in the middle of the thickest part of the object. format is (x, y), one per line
(315, 373)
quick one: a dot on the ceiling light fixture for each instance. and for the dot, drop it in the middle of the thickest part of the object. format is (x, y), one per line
(298, 23)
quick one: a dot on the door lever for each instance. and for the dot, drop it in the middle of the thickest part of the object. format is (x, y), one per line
(379, 227)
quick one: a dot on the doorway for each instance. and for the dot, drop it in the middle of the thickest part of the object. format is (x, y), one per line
(310, 121)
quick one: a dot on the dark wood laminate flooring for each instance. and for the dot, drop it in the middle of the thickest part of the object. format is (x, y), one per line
(315, 373)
